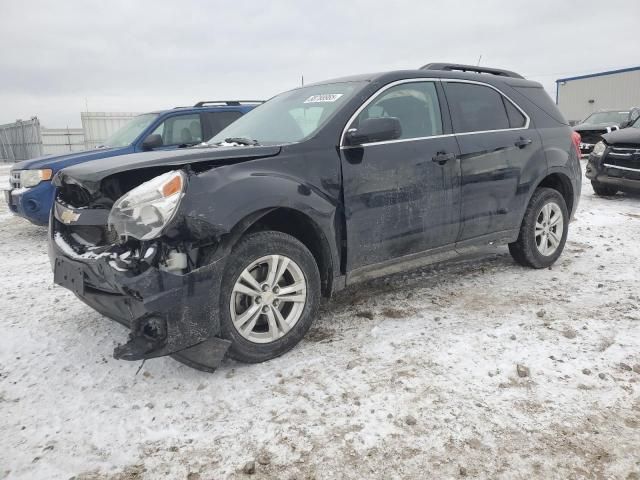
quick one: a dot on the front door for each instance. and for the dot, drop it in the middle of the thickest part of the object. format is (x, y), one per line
(179, 131)
(402, 196)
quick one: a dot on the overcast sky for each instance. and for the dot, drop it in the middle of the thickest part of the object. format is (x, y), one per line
(58, 57)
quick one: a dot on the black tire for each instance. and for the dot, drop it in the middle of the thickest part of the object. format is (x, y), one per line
(603, 190)
(249, 249)
(524, 250)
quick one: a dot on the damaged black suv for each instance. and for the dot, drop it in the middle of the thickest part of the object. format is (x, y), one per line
(614, 163)
(228, 247)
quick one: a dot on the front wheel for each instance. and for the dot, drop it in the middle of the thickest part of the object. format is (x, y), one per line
(269, 297)
(603, 190)
(543, 232)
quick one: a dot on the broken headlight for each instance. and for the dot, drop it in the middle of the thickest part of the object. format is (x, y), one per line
(146, 210)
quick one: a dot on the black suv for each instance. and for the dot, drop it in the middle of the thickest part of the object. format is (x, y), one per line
(228, 247)
(592, 128)
(614, 163)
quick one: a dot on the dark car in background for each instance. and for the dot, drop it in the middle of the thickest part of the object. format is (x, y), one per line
(228, 248)
(614, 163)
(602, 122)
(30, 193)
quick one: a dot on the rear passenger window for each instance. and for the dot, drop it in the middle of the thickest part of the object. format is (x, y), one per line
(414, 104)
(516, 118)
(221, 120)
(476, 108)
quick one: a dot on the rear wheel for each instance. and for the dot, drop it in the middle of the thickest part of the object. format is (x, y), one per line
(270, 295)
(543, 232)
(603, 190)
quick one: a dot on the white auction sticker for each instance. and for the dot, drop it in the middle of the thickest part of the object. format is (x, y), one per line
(325, 97)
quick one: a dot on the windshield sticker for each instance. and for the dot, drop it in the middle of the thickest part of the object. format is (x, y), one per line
(325, 97)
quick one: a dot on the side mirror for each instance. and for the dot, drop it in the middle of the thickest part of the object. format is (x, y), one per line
(374, 130)
(152, 141)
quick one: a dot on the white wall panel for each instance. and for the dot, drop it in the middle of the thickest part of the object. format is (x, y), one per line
(608, 92)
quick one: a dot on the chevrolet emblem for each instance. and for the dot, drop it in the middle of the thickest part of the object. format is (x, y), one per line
(67, 216)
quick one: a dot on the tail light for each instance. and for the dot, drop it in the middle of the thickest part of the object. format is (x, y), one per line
(576, 139)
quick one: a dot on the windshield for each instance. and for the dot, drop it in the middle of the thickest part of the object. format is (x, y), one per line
(606, 117)
(127, 134)
(291, 116)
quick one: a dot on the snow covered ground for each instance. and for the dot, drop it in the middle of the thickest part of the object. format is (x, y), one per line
(413, 376)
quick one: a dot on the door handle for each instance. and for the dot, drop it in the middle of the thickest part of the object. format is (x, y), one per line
(443, 157)
(523, 142)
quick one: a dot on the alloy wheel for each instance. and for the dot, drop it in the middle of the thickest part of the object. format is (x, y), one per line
(549, 228)
(268, 298)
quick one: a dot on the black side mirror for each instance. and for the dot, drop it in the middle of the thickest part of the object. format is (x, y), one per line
(152, 141)
(379, 129)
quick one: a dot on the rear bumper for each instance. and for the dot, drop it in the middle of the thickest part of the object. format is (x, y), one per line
(168, 314)
(34, 203)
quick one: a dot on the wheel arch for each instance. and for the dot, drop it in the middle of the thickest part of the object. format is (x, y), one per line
(560, 182)
(300, 226)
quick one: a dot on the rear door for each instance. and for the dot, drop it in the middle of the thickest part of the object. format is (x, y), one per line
(496, 147)
(402, 196)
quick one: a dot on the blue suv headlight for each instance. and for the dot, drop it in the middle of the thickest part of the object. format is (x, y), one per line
(31, 178)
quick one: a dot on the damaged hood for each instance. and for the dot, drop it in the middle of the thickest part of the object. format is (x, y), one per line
(58, 162)
(91, 173)
(626, 135)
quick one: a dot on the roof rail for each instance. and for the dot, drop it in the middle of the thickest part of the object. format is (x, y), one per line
(470, 68)
(230, 103)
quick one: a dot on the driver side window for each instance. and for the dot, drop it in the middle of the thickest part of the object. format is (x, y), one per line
(414, 104)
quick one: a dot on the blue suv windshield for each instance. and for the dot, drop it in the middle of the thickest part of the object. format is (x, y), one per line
(127, 134)
(291, 116)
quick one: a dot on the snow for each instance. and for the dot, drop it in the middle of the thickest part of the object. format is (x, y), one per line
(19, 191)
(439, 344)
(4, 175)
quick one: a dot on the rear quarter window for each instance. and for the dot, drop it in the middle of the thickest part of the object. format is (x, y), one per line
(516, 118)
(542, 100)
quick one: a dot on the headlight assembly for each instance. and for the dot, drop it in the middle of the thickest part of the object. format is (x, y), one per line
(146, 210)
(599, 149)
(31, 178)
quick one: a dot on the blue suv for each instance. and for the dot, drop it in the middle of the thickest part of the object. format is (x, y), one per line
(31, 193)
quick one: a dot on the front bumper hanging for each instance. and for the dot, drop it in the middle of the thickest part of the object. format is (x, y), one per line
(168, 313)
